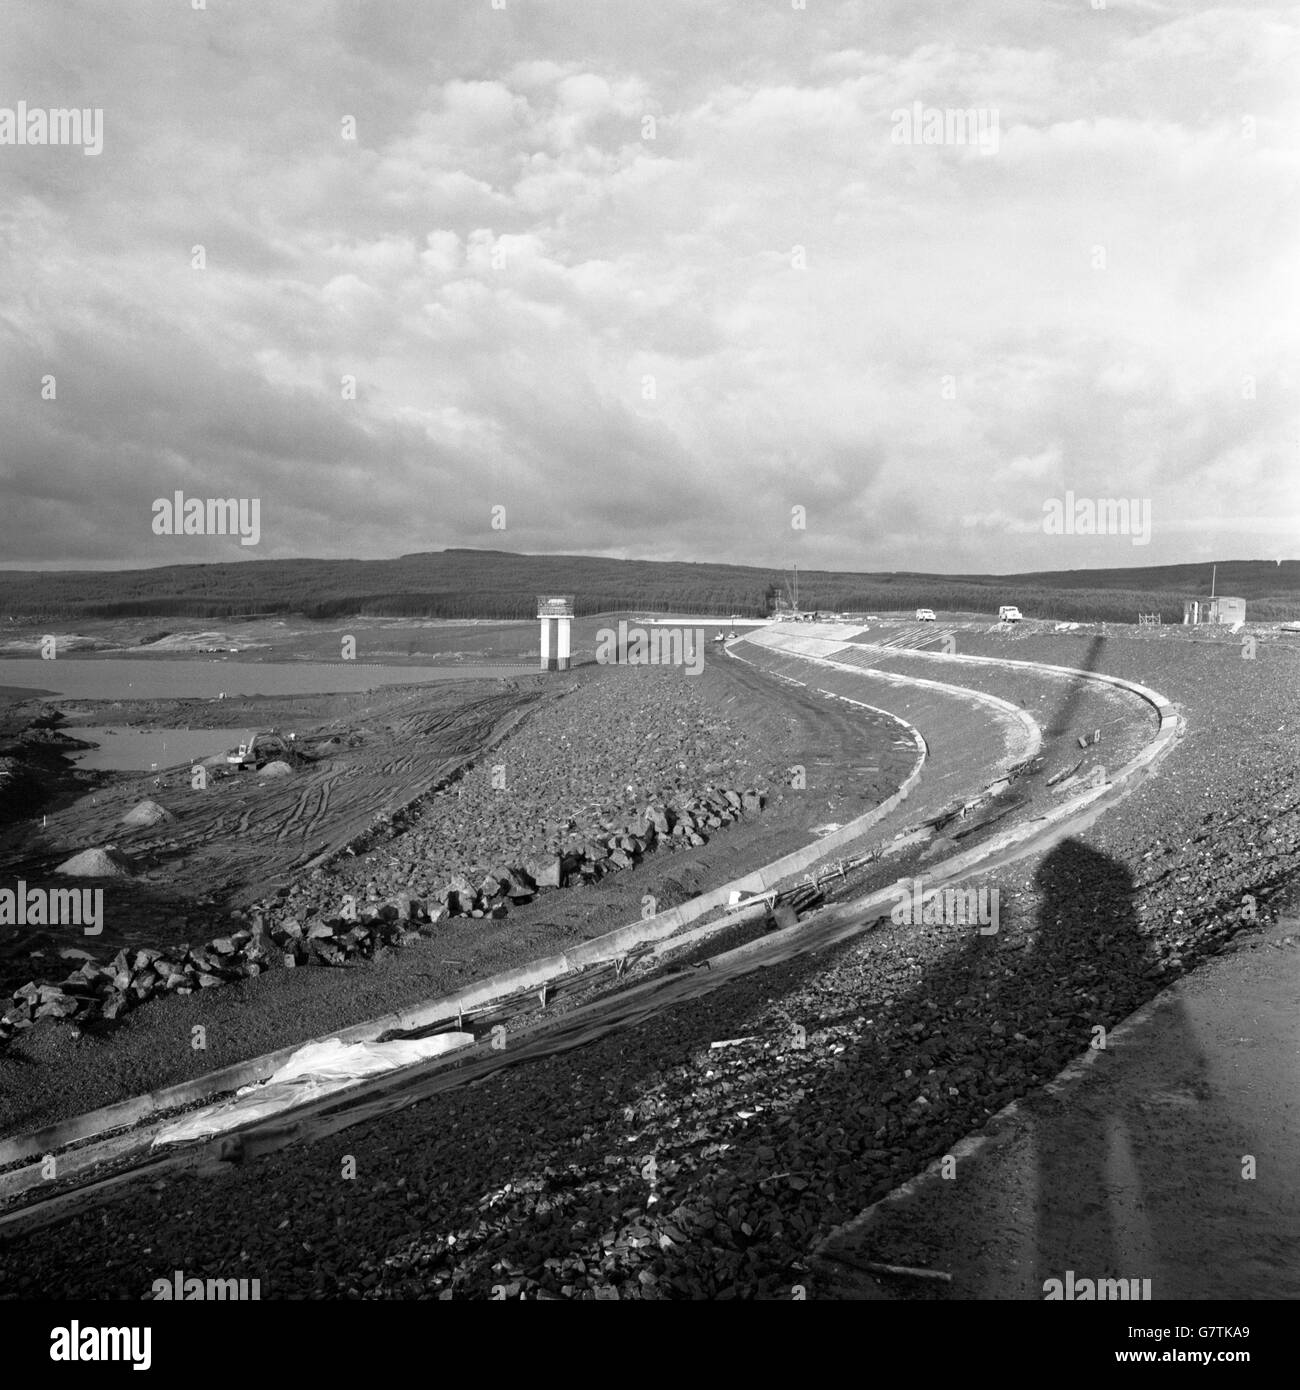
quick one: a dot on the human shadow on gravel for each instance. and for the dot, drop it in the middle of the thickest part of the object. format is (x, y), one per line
(1100, 1198)
(994, 1018)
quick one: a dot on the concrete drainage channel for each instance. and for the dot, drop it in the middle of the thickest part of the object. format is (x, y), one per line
(96, 1152)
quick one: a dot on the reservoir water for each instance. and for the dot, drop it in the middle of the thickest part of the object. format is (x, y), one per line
(144, 679)
(141, 750)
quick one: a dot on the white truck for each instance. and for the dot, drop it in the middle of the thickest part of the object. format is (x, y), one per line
(925, 615)
(1008, 613)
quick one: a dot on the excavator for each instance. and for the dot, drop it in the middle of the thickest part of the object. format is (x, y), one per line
(263, 747)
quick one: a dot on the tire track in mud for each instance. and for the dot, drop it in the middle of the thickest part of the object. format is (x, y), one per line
(302, 820)
(245, 832)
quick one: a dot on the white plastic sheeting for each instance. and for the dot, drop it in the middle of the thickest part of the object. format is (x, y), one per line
(316, 1070)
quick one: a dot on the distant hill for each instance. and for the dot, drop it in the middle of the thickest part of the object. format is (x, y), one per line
(503, 584)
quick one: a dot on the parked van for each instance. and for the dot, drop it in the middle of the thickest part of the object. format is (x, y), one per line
(1009, 614)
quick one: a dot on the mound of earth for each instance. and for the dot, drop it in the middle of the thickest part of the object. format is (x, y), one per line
(107, 862)
(147, 813)
(279, 768)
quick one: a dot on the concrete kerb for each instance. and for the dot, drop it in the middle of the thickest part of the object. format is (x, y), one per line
(843, 921)
(611, 946)
(1029, 727)
(1171, 729)
(1152, 697)
(788, 865)
(1171, 724)
(693, 938)
(1069, 816)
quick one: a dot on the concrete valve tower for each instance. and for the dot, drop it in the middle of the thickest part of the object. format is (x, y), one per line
(555, 613)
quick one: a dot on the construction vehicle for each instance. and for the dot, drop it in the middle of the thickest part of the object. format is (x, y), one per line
(261, 748)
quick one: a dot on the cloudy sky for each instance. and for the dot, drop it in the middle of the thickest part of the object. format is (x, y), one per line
(642, 279)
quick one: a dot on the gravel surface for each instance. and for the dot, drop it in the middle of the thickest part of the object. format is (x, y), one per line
(857, 1067)
(556, 788)
(1133, 1167)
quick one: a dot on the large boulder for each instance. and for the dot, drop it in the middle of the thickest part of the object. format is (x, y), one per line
(545, 870)
(62, 1007)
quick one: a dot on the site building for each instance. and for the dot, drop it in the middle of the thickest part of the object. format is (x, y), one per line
(1214, 610)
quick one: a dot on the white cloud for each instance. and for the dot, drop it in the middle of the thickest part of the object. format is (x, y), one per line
(545, 306)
